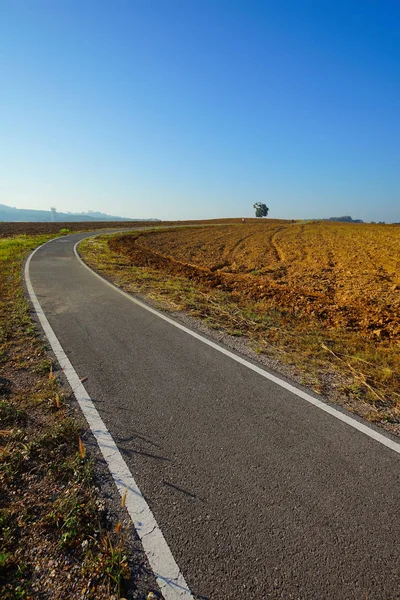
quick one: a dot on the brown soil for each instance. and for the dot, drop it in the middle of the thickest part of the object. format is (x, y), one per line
(10, 229)
(346, 276)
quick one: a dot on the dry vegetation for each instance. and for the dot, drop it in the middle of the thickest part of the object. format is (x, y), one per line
(57, 538)
(322, 296)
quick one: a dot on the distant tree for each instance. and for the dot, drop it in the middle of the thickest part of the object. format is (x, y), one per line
(261, 209)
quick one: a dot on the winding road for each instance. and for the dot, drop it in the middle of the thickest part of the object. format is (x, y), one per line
(258, 493)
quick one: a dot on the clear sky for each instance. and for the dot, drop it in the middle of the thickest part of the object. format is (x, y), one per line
(199, 108)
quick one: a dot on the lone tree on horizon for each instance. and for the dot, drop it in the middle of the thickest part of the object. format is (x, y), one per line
(261, 209)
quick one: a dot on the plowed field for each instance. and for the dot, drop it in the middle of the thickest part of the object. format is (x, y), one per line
(22, 228)
(344, 275)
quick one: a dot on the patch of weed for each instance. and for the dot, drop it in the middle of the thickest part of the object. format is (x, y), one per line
(10, 414)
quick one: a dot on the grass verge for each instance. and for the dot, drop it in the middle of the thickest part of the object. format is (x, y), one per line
(342, 365)
(56, 538)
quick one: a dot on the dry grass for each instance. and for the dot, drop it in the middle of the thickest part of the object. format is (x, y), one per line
(245, 281)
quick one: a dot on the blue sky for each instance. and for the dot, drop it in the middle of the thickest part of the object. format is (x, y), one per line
(197, 109)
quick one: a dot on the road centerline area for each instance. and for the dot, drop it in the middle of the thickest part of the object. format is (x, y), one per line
(257, 493)
(169, 578)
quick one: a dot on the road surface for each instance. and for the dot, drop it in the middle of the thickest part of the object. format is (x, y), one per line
(258, 493)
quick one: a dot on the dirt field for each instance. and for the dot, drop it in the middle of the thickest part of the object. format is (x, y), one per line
(10, 229)
(344, 275)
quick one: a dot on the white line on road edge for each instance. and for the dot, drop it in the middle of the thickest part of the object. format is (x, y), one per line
(169, 578)
(375, 435)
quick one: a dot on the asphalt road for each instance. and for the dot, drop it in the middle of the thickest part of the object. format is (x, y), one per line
(259, 494)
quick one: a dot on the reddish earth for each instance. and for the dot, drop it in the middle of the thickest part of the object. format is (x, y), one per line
(9, 229)
(344, 275)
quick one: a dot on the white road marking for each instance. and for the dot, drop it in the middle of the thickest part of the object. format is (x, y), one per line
(169, 578)
(375, 435)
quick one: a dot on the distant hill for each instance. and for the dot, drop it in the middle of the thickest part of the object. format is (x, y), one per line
(11, 214)
(345, 219)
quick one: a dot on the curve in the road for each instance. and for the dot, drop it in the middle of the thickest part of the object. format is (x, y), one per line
(342, 416)
(257, 493)
(169, 578)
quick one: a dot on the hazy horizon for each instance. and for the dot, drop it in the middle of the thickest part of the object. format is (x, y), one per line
(194, 110)
(231, 215)
(133, 217)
